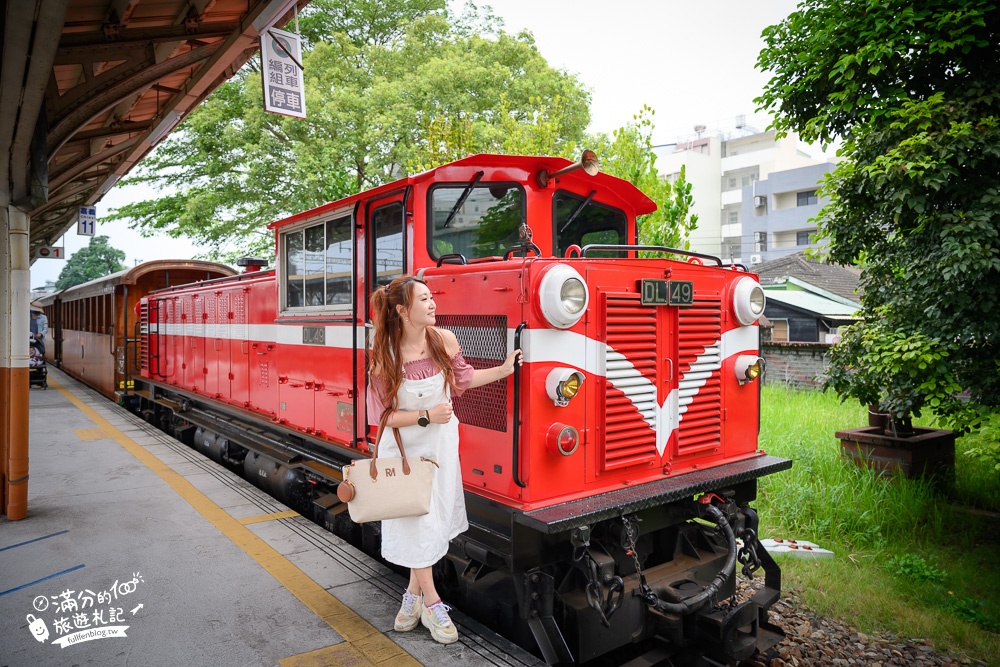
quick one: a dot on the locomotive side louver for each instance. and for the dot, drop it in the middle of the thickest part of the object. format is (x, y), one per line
(630, 397)
(699, 389)
(483, 339)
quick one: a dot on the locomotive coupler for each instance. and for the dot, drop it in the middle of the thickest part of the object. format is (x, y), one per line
(706, 510)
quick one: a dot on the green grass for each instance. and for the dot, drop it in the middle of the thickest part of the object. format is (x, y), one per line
(912, 559)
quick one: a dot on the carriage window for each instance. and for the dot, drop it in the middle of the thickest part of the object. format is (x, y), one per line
(387, 223)
(318, 261)
(473, 220)
(582, 221)
(339, 261)
(294, 270)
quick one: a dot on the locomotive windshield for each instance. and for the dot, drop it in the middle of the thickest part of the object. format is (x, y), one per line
(582, 221)
(475, 220)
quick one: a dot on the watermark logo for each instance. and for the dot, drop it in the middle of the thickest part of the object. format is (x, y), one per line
(81, 616)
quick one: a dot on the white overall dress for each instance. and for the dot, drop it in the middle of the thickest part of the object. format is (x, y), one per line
(421, 541)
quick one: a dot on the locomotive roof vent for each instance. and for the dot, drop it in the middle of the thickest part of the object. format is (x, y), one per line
(252, 264)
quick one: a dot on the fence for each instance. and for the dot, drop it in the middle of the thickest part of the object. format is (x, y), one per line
(796, 365)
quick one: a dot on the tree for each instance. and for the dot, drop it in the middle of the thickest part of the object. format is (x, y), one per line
(629, 155)
(385, 81)
(95, 260)
(913, 90)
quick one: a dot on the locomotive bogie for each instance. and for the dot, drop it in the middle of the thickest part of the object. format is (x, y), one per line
(288, 485)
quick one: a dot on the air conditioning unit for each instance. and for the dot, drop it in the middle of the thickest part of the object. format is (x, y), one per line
(759, 200)
(755, 259)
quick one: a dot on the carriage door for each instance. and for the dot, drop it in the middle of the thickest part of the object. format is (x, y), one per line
(213, 346)
(198, 366)
(333, 346)
(170, 329)
(386, 260)
(239, 346)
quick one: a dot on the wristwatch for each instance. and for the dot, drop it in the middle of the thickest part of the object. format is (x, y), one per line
(423, 419)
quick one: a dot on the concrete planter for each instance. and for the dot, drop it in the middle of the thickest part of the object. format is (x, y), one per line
(927, 452)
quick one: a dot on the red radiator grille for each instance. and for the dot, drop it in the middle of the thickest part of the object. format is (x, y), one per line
(630, 396)
(699, 389)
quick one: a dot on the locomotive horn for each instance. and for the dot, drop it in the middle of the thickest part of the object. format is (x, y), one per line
(588, 162)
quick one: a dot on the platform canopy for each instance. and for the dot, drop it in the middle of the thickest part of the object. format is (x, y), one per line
(89, 87)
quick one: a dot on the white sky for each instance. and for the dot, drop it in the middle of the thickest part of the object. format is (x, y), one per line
(692, 62)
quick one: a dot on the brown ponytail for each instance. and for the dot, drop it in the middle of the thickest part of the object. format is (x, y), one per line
(384, 362)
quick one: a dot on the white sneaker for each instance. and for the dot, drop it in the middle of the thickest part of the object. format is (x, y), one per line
(409, 613)
(436, 619)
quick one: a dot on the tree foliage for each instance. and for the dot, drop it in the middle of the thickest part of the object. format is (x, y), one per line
(388, 83)
(628, 154)
(95, 260)
(913, 90)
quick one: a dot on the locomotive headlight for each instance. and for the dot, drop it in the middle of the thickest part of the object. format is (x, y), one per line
(562, 439)
(562, 384)
(748, 367)
(748, 301)
(563, 296)
(573, 294)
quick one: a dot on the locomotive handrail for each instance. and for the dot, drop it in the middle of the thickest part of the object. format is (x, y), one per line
(648, 248)
(516, 449)
(452, 258)
(522, 246)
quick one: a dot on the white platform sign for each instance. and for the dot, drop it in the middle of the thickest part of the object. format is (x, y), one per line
(86, 222)
(284, 90)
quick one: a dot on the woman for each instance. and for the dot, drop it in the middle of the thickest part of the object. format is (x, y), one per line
(415, 369)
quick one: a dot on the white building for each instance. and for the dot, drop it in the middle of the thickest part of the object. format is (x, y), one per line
(728, 173)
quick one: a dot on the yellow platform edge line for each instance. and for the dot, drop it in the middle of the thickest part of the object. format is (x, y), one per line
(91, 434)
(367, 643)
(258, 518)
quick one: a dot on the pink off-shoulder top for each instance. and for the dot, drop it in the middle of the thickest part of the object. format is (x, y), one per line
(418, 369)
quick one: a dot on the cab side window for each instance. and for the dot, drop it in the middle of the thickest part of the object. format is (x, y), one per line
(318, 259)
(387, 225)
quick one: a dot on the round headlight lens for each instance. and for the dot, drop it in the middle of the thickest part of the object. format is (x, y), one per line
(568, 388)
(757, 300)
(748, 368)
(562, 384)
(748, 301)
(573, 294)
(562, 296)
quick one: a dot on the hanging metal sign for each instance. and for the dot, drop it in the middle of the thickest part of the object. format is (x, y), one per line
(284, 89)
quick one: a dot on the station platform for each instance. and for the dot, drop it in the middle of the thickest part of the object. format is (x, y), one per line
(138, 550)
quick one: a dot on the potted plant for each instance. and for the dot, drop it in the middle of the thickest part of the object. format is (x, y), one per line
(896, 374)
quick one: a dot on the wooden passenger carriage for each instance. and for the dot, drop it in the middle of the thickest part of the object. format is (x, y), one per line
(93, 326)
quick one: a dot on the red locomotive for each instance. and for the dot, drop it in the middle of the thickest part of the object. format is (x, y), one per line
(608, 481)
